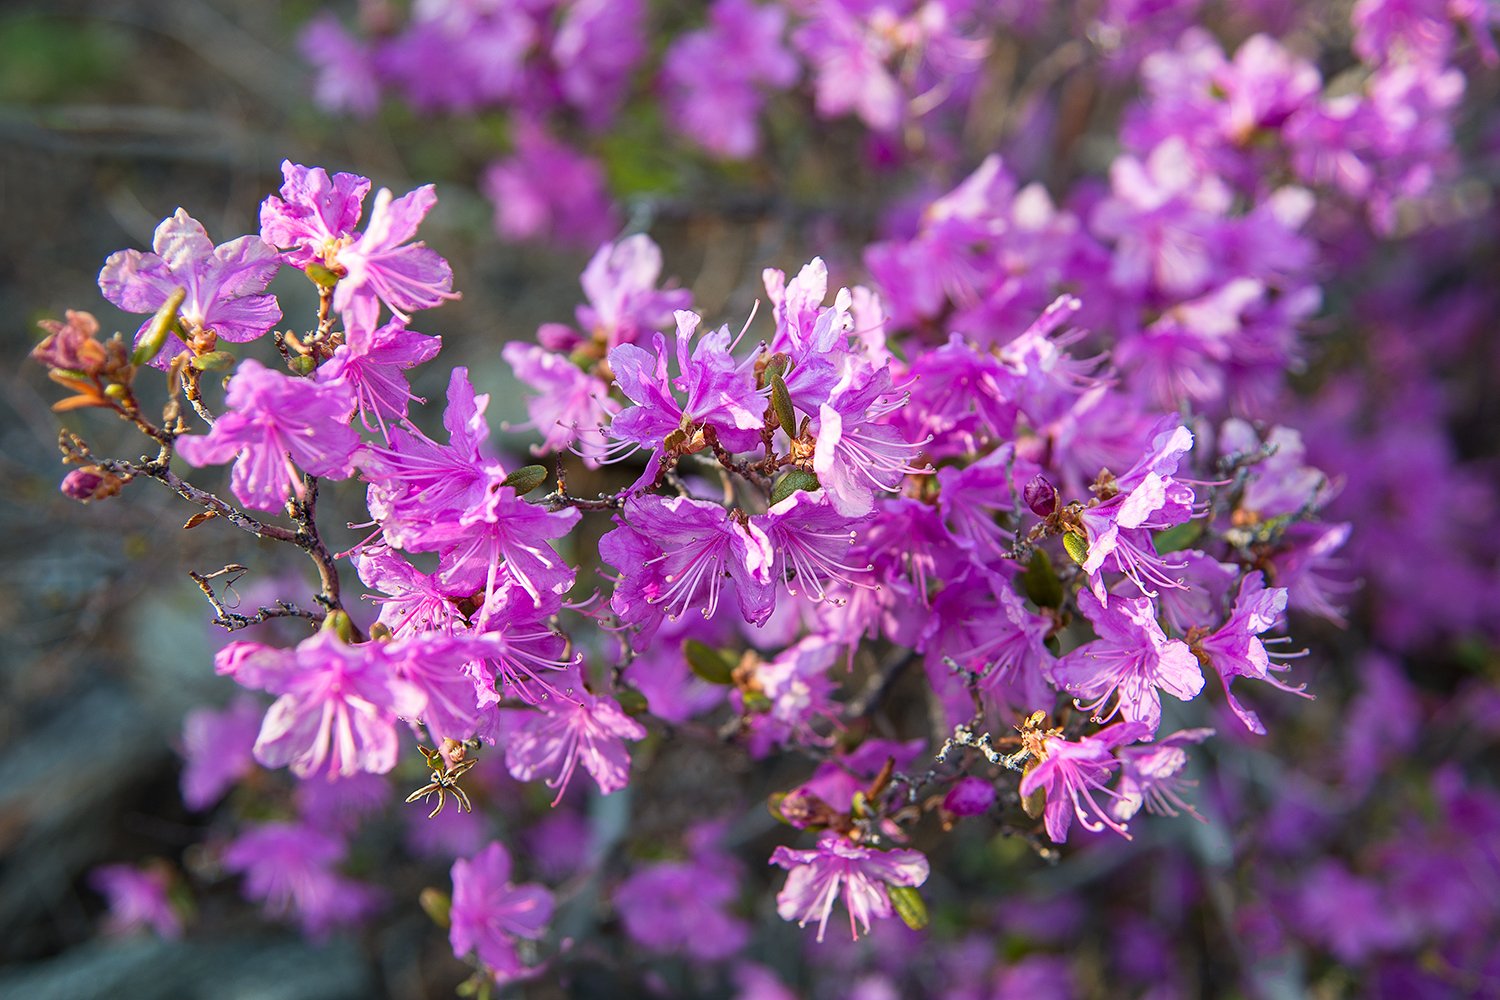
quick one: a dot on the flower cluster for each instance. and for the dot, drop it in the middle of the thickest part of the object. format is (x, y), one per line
(990, 538)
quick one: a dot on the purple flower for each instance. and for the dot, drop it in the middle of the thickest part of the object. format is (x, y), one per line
(337, 709)
(1146, 498)
(370, 362)
(1132, 660)
(314, 221)
(817, 877)
(276, 426)
(489, 912)
(218, 748)
(459, 56)
(597, 45)
(1165, 215)
(504, 532)
(713, 76)
(854, 456)
(420, 488)
(345, 71)
(316, 214)
(720, 392)
(696, 544)
(415, 603)
(811, 542)
(1151, 774)
(623, 300)
(523, 656)
(432, 664)
(545, 189)
(848, 59)
(799, 691)
(1236, 649)
(291, 869)
(224, 283)
(1071, 773)
(569, 407)
(138, 898)
(678, 907)
(563, 733)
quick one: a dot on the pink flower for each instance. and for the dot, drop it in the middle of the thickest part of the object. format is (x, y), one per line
(489, 912)
(860, 873)
(137, 899)
(1132, 660)
(224, 283)
(292, 869)
(314, 220)
(337, 711)
(277, 427)
(218, 747)
(679, 906)
(1071, 773)
(1152, 774)
(561, 734)
(371, 363)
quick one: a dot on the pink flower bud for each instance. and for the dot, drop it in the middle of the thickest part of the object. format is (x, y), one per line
(970, 796)
(1041, 496)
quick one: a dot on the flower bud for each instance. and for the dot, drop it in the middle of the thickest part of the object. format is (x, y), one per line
(969, 796)
(90, 483)
(1041, 496)
(71, 344)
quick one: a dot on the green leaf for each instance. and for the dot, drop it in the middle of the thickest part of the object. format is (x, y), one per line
(708, 663)
(908, 905)
(1178, 537)
(632, 702)
(1078, 549)
(320, 275)
(436, 904)
(215, 361)
(773, 804)
(1040, 581)
(781, 402)
(526, 479)
(794, 481)
(162, 324)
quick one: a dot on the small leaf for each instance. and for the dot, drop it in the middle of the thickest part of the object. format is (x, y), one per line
(199, 518)
(773, 804)
(1037, 800)
(1078, 548)
(320, 275)
(908, 905)
(302, 365)
(631, 701)
(1040, 581)
(797, 480)
(161, 325)
(776, 367)
(781, 402)
(436, 904)
(1178, 537)
(216, 361)
(708, 663)
(526, 479)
